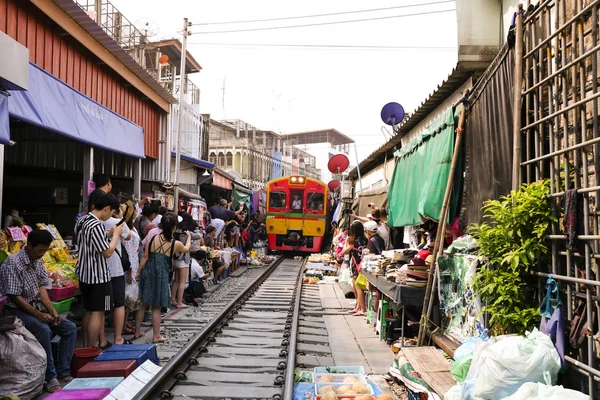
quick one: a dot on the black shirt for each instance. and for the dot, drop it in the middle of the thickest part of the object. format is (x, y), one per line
(221, 213)
(376, 245)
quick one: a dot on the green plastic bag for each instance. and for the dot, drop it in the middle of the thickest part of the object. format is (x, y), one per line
(361, 281)
(460, 367)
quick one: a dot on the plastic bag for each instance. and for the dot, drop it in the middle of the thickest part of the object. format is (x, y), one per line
(511, 362)
(468, 346)
(460, 367)
(539, 391)
(132, 296)
(22, 361)
(361, 281)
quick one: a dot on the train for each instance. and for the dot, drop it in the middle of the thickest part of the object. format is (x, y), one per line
(296, 214)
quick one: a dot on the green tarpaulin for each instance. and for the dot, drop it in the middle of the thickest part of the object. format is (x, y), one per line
(241, 195)
(421, 173)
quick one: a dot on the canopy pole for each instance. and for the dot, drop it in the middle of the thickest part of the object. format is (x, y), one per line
(439, 238)
(180, 115)
(358, 168)
(518, 82)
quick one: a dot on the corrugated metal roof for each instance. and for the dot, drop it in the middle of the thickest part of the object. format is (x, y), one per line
(455, 79)
(74, 11)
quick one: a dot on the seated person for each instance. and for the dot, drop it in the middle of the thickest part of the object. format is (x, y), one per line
(209, 237)
(297, 203)
(23, 278)
(197, 274)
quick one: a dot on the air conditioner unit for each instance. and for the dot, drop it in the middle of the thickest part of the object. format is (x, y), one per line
(346, 189)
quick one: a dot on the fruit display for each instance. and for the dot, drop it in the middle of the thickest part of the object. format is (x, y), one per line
(59, 261)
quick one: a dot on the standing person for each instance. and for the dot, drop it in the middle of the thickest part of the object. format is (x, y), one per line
(92, 265)
(117, 279)
(182, 261)
(132, 246)
(154, 274)
(376, 244)
(103, 185)
(23, 279)
(355, 244)
(143, 224)
(162, 211)
(221, 212)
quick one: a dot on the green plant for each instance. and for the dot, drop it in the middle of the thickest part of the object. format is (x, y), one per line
(512, 240)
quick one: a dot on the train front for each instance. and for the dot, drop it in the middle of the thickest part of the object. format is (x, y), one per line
(296, 214)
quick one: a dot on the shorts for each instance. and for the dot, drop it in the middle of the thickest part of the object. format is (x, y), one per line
(96, 296)
(118, 291)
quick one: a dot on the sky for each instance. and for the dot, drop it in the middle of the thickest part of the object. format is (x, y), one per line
(290, 89)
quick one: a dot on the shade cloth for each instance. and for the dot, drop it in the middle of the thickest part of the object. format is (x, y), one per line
(401, 295)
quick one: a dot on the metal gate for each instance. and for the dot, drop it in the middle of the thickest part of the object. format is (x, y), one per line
(557, 59)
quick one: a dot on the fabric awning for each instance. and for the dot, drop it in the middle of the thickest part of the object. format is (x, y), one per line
(421, 173)
(52, 104)
(189, 195)
(4, 124)
(377, 196)
(241, 195)
(197, 161)
(221, 181)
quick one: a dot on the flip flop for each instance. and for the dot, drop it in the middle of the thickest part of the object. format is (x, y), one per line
(66, 380)
(52, 386)
(135, 337)
(161, 340)
(359, 314)
(106, 346)
(128, 330)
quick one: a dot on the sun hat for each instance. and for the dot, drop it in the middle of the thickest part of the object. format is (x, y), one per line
(371, 226)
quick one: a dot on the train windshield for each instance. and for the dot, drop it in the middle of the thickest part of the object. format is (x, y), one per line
(277, 199)
(297, 200)
(315, 201)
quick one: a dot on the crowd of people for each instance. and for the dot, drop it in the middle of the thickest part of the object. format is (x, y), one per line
(168, 256)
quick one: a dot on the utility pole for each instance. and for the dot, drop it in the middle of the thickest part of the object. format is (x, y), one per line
(186, 33)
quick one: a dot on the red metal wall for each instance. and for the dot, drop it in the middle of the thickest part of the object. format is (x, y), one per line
(64, 57)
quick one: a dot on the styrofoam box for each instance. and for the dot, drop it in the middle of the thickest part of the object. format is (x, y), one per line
(339, 378)
(336, 385)
(355, 370)
(134, 382)
(347, 396)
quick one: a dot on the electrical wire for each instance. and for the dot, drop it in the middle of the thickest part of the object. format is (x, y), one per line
(326, 46)
(325, 23)
(322, 15)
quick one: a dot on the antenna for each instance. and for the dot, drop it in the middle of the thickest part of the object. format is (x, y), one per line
(148, 27)
(392, 114)
(223, 98)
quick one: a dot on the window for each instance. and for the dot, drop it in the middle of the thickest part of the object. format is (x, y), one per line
(229, 157)
(297, 197)
(277, 199)
(315, 202)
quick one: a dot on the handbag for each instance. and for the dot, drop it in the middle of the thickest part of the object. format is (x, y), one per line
(361, 281)
(124, 256)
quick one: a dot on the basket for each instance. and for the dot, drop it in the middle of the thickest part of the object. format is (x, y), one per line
(83, 356)
(138, 356)
(63, 306)
(339, 378)
(62, 293)
(355, 370)
(80, 394)
(107, 369)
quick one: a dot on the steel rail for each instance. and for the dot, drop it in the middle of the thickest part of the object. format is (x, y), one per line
(288, 388)
(183, 355)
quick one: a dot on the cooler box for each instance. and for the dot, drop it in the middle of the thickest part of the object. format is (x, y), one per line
(94, 383)
(80, 394)
(107, 369)
(149, 348)
(138, 356)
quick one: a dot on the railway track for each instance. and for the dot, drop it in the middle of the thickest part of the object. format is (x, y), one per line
(246, 351)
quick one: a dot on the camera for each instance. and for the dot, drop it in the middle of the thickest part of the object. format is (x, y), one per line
(347, 211)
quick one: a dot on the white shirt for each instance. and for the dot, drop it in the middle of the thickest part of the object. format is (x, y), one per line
(384, 232)
(157, 220)
(114, 262)
(197, 272)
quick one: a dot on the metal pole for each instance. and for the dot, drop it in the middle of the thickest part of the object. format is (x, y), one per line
(180, 115)
(516, 172)
(439, 238)
(358, 168)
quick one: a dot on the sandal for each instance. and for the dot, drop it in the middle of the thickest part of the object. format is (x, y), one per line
(141, 335)
(160, 340)
(106, 346)
(52, 386)
(128, 330)
(65, 380)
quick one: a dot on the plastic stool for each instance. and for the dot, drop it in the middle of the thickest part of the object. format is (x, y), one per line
(369, 308)
(382, 314)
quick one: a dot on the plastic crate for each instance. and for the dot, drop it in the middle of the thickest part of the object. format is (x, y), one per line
(107, 369)
(94, 383)
(63, 293)
(355, 370)
(337, 385)
(138, 356)
(339, 378)
(149, 348)
(2, 301)
(80, 394)
(63, 306)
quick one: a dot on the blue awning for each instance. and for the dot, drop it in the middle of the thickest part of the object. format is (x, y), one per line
(51, 104)
(197, 161)
(4, 126)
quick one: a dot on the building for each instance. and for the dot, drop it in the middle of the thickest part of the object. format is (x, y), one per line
(256, 155)
(87, 94)
(323, 145)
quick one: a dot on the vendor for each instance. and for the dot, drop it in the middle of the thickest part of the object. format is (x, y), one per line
(376, 244)
(13, 219)
(24, 279)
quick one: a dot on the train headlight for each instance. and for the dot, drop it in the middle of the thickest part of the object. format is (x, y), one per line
(294, 179)
(270, 227)
(318, 229)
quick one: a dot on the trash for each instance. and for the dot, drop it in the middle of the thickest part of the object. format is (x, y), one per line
(468, 345)
(540, 391)
(460, 367)
(515, 360)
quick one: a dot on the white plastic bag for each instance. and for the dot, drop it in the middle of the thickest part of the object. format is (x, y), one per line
(516, 360)
(132, 296)
(539, 391)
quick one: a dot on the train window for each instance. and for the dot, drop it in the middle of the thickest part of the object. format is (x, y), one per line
(315, 201)
(277, 200)
(297, 196)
